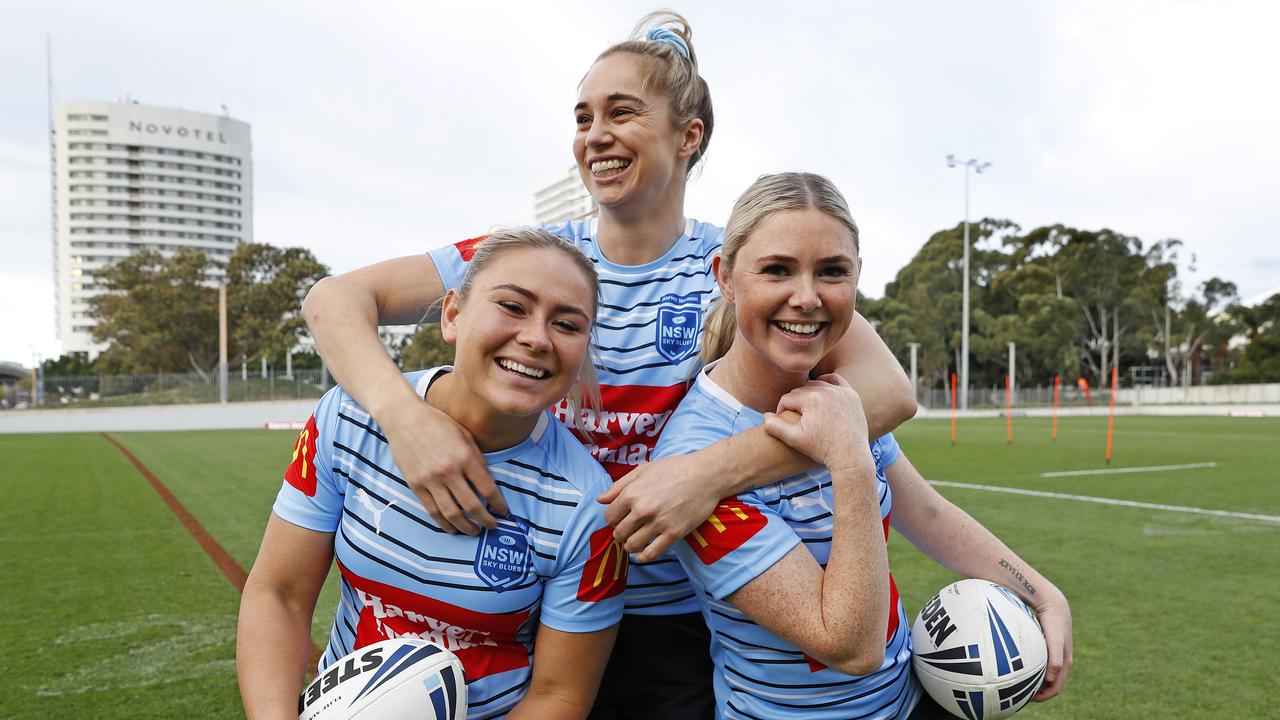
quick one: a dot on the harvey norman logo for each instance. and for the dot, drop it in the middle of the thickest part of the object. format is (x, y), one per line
(176, 131)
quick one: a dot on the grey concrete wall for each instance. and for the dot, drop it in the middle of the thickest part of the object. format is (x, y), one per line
(212, 416)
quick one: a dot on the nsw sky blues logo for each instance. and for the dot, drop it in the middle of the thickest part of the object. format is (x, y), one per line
(679, 323)
(502, 556)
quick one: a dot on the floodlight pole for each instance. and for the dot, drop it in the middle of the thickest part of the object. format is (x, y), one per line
(222, 343)
(978, 166)
(915, 348)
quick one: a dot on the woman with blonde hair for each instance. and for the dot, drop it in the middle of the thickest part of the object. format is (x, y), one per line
(643, 120)
(792, 577)
(529, 607)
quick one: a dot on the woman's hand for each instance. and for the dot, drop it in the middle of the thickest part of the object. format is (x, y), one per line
(439, 460)
(830, 423)
(1055, 620)
(658, 503)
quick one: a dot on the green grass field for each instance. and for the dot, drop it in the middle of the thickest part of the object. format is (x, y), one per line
(114, 611)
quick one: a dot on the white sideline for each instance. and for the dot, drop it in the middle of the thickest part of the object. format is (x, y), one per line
(1119, 471)
(1109, 501)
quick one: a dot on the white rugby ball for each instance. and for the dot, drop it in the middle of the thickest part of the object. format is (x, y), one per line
(979, 650)
(389, 680)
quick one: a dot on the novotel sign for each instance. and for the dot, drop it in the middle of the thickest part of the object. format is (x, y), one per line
(176, 130)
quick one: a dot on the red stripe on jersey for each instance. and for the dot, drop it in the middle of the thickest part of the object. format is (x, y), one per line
(731, 524)
(467, 248)
(605, 573)
(622, 435)
(485, 643)
(301, 473)
(893, 609)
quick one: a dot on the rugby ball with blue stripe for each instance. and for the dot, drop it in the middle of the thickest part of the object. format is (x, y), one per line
(389, 680)
(979, 650)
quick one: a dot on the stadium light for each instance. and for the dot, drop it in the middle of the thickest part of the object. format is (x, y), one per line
(977, 166)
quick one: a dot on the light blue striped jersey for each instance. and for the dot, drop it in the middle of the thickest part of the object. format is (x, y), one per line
(758, 674)
(648, 330)
(551, 561)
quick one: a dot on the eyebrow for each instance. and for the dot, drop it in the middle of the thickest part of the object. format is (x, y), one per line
(788, 258)
(616, 97)
(534, 297)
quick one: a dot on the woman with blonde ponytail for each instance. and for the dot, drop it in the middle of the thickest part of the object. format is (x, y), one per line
(793, 576)
(643, 120)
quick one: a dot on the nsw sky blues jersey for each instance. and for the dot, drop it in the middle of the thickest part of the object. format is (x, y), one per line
(647, 335)
(552, 560)
(758, 674)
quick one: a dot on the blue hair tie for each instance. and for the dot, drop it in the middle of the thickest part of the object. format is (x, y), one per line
(664, 35)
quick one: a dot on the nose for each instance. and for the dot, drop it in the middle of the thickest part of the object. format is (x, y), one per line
(598, 134)
(804, 294)
(534, 335)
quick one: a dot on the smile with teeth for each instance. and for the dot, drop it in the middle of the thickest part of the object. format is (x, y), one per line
(606, 168)
(803, 329)
(516, 367)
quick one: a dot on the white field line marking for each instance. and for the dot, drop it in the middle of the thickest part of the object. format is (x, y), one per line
(1109, 501)
(1119, 471)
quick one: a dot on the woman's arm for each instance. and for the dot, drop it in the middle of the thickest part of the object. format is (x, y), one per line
(436, 456)
(566, 674)
(836, 615)
(952, 537)
(661, 502)
(863, 359)
(273, 637)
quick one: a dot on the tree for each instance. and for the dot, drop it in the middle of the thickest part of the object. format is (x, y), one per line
(425, 349)
(923, 302)
(1260, 361)
(265, 288)
(1099, 271)
(70, 365)
(157, 313)
(161, 313)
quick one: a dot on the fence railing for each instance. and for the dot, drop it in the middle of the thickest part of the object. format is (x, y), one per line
(178, 388)
(169, 389)
(993, 398)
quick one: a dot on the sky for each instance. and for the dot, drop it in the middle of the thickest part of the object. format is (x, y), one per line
(387, 128)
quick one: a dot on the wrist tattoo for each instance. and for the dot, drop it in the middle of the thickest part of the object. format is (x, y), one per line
(1016, 573)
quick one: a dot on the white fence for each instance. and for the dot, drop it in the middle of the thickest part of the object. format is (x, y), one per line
(1070, 396)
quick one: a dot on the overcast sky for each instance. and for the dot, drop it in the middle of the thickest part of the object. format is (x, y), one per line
(386, 128)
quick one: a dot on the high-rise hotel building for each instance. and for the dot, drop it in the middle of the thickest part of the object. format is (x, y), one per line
(127, 177)
(563, 199)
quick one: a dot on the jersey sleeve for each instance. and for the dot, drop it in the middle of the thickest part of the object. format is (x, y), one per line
(886, 450)
(311, 495)
(742, 539)
(586, 592)
(451, 261)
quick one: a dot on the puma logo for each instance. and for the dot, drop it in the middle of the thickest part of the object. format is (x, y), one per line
(363, 498)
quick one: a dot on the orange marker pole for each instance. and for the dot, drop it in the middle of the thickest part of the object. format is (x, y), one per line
(1008, 409)
(1111, 420)
(1057, 385)
(953, 408)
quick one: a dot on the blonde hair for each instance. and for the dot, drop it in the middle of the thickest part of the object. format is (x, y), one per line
(769, 194)
(500, 242)
(668, 69)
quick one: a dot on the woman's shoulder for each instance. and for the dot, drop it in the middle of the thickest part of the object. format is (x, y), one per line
(560, 457)
(700, 420)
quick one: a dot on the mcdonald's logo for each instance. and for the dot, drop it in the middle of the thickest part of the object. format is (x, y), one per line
(301, 473)
(467, 248)
(731, 524)
(605, 573)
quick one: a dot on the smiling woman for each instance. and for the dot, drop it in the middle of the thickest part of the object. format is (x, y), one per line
(529, 607)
